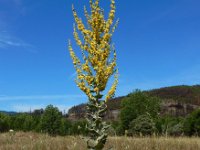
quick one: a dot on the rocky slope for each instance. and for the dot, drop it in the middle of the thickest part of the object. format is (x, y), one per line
(176, 101)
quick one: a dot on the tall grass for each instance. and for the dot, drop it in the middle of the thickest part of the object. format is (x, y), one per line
(34, 141)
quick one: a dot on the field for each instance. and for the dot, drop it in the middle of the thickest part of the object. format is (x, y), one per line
(34, 141)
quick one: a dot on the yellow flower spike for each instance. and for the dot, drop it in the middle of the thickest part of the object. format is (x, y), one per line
(112, 89)
(98, 62)
(96, 68)
(96, 89)
(76, 37)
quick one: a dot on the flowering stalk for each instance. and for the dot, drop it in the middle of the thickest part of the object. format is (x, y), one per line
(96, 67)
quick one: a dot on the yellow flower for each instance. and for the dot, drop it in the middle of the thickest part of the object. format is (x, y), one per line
(96, 69)
(96, 89)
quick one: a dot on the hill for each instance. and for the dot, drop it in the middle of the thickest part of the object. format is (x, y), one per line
(176, 101)
(9, 112)
(181, 94)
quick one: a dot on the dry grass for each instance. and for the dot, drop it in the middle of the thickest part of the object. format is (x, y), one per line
(34, 141)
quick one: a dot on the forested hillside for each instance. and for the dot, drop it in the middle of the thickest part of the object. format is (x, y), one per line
(176, 100)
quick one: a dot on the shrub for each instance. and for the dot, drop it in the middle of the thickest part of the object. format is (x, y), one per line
(168, 125)
(143, 124)
(192, 123)
(176, 130)
(117, 126)
(79, 127)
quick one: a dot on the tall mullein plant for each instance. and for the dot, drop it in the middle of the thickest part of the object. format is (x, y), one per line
(96, 67)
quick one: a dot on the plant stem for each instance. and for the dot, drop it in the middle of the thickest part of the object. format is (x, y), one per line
(97, 128)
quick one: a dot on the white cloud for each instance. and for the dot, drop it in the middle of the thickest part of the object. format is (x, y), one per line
(11, 42)
(32, 102)
(28, 108)
(40, 97)
(7, 40)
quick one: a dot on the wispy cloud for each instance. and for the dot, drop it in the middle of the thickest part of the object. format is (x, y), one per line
(72, 76)
(10, 41)
(7, 40)
(28, 108)
(26, 102)
(40, 97)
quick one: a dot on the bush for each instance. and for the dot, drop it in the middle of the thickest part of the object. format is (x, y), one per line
(117, 126)
(111, 131)
(79, 127)
(168, 125)
(143, 124)
(176, 130)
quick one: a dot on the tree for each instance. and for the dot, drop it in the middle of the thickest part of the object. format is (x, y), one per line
(36, 122)
(136, 104)
(192, 123)
(66, 126)
(4, 122)
(28, 124)
(18, 122)
(96, 67)
(51, 120)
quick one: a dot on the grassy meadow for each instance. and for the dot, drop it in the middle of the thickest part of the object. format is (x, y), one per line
(35, 141)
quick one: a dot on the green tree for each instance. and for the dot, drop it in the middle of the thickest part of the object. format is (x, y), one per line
(4, 122)
(36, 122)
(51, 120)
(66, 126)
(18, 122)
(136, 104)
(192, 123)
(28, 124)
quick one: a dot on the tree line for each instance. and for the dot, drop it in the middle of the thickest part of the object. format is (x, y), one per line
(139, 116)
(49, 121)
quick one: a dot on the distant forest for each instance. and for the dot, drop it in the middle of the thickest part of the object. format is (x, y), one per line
(183, 94)
(143, 109)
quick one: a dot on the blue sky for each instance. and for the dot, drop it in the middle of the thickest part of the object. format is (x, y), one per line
(158, 44)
